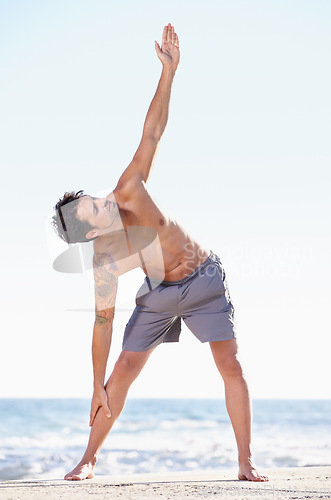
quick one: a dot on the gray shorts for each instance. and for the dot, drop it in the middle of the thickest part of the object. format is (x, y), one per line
(201, 300)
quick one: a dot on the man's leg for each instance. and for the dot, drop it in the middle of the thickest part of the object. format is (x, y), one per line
(237, 403)
(126, 370)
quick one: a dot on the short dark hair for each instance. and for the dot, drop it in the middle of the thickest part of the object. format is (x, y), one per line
(72, 226)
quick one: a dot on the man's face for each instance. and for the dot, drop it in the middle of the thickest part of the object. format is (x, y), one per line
(99, 212)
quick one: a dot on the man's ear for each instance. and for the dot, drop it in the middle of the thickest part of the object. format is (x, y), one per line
(92, 234)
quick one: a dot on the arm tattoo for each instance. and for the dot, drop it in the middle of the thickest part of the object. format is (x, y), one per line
(103, 317)
(105, 286)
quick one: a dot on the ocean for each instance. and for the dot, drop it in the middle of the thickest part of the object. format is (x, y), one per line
(45, 438)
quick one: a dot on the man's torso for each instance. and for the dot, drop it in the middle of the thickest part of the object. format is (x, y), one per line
(173, 254)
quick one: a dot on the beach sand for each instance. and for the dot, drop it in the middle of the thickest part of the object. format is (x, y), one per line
(285, 483)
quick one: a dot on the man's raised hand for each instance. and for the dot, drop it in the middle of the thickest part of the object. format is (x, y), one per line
(168, 53)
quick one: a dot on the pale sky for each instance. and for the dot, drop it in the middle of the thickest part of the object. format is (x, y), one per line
(244, 165)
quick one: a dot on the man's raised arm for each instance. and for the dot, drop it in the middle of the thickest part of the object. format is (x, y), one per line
(105, 281)
(157, 115)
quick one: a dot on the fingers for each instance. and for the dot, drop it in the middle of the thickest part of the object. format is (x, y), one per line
(164, 35)
(94, 412)
(169, 33)
(92, 416)
(106, 410)
(173, 35)
(170, 36)
(157, 48)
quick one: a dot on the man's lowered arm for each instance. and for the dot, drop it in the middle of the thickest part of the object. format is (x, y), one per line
(157, 115)
(105, 281)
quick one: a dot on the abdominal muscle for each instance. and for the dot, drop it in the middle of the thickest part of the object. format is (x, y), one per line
(186, 265)
(176, 254)
(181, 254)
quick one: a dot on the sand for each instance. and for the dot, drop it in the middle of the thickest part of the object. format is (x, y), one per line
(285, 483)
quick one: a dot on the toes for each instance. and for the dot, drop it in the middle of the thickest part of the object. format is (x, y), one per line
(72, 477)
(253, 476)
(261, 478)
(80, 475)
(256, 478)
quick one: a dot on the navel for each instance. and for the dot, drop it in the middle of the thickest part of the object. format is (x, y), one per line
(161, 222)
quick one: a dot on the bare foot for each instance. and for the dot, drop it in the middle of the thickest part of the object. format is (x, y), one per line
(82, 471)
(247, 472)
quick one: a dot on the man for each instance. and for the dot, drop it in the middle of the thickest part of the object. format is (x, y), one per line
(184, 281)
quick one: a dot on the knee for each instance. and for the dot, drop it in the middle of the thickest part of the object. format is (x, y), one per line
(123, 372)
(126, 363)
(121, 366)
(230, 367)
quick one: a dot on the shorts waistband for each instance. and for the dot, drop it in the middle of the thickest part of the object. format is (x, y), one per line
(196, 271)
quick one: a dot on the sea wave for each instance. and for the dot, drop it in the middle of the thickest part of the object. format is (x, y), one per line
(45, 439)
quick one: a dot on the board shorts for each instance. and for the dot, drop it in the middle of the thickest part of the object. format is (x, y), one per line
(201, 300)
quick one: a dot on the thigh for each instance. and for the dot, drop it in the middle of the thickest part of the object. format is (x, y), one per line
(154, 320)
(134, 361)
(224, 349)
(146, 330)
(225, 357)
(128, 366)
(207, 308)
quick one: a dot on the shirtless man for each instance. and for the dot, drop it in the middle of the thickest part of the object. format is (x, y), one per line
(184, 281)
